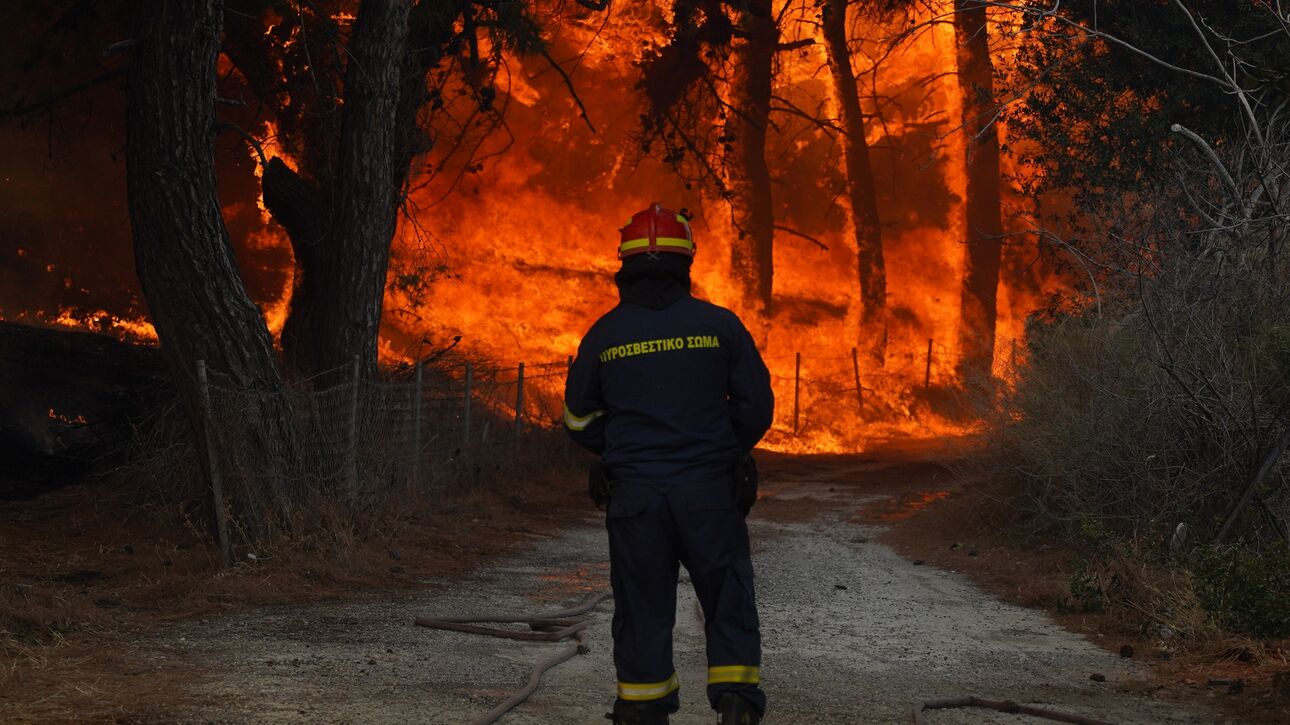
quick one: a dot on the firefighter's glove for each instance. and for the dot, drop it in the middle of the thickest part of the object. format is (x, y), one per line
(745, 482)
(598, 484)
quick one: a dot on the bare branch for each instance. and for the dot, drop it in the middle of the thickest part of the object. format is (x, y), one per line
(253, 141)
(568, 82)
(794, 45)
(803, 235)
(1213, 157)
(21, 109)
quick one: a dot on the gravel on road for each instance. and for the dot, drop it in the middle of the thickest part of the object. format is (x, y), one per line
(853, 633)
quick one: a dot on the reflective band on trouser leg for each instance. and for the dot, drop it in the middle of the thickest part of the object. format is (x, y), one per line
(641, 691)
(745, 674)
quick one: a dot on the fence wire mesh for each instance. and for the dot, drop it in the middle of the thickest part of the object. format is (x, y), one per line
(411, 427)
(402, 431)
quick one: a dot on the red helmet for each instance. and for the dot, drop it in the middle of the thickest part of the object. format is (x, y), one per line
(656, 229)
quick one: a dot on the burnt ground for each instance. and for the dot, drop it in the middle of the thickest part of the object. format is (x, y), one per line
(862, 613)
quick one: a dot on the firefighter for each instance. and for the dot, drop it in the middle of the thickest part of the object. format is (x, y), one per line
(671, 393)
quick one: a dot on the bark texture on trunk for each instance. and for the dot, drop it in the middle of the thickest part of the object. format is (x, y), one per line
(335, 312)
(195, 295)
(752, 253)
(871, 270)
(393, 46)
(978, 300)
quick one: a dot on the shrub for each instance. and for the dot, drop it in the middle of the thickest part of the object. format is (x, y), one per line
(1245, 591)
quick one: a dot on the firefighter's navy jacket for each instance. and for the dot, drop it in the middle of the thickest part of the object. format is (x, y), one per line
(671, 395)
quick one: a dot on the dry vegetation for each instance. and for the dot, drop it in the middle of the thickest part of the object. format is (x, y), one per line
(92, 571)
(1144, 434)
(1149, 431)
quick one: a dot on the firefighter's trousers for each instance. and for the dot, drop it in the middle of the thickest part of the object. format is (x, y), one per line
(652, 529)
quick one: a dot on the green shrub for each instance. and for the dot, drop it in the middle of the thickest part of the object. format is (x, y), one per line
(1086, 591)
(1244, 590)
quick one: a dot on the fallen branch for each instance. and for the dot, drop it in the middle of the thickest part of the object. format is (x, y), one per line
(1006, 706)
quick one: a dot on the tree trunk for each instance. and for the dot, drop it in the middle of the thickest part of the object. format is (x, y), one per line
(335, 312)
(185, 264)
(752, 253)
(870, 268)
(984, 218)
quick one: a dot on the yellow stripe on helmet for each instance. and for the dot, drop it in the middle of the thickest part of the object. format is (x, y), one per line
(659, 241)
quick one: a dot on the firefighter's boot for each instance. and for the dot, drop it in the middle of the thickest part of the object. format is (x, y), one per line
(736, 710)
(638, 713)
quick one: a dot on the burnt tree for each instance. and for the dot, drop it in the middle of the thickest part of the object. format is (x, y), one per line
(871, 271)
(978, 299)
(353, 122)
(350, 128)
(747, 173)
(709, 91)
(185, 264)
(336, 306)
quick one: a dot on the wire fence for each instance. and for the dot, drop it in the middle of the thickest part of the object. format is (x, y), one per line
(408, 431)
(414, 428)
(832, 399)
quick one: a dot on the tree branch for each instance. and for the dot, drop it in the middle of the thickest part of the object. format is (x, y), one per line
(794, 45)
(789, 107)
(568, 82)
(20, 109)
(1213, 158)
(803, 235)
(297, 205)
(1269, 464)
(253, 141)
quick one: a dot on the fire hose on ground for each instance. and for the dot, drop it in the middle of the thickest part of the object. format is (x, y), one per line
(548, 627)
(561, 625)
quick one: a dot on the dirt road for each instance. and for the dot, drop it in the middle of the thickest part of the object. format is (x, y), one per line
(853, 633)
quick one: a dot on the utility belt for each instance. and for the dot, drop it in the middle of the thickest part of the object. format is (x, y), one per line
(600, 486)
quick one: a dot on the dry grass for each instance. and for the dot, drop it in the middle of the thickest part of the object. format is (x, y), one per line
(91, 574)
(1146, 606)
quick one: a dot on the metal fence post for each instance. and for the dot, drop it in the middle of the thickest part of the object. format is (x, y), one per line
(855, 366)
(416, 427)
(927, 375)
(353, 427)
(519, 399)
(797, 390)
(212, 465)
(465, 409)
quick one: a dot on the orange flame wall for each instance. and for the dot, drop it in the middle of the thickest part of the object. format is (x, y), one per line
(518, 251)
(529, 240)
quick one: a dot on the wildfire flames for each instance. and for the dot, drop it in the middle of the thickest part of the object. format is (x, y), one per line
(513, 249)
